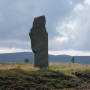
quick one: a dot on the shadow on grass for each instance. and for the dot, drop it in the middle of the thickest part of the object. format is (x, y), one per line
(42, 79)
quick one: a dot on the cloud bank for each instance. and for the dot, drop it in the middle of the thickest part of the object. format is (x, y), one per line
(67, 25)
(74, 30)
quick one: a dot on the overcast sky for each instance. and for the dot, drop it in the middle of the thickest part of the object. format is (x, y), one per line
(67, 24)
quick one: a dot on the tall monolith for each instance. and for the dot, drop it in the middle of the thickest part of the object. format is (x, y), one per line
(39, 42)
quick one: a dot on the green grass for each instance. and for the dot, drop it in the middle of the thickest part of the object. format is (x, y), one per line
(25, 76)
(68, 68)
(40, 79)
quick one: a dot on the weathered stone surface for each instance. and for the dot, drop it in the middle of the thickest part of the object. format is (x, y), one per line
(39, 42)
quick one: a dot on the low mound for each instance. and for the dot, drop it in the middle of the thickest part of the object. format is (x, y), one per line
(41, 79)
(24, 76)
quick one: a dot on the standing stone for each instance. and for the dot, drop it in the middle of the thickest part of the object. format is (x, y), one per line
(39, 42)
(73, 60)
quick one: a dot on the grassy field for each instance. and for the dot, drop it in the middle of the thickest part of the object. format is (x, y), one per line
(24, 76)
(68, 68)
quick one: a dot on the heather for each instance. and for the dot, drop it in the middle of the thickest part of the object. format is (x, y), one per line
(24, 76)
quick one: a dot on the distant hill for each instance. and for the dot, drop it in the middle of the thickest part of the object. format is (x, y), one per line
(20, 57)
(16, 57)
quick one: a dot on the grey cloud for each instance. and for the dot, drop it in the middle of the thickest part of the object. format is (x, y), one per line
(17, 17)
(75, 31)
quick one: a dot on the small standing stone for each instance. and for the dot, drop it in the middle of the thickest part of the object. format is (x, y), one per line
(39, 42)
(73, 60)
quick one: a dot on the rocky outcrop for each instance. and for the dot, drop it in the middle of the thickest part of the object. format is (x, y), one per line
(39, 42)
